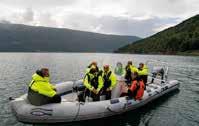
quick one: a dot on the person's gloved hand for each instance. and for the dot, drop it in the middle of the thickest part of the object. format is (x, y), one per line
(109, 89)
(94, 91)
(97, 91)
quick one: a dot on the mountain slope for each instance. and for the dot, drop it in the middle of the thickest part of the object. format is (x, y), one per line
(182, 38)
(22, 38)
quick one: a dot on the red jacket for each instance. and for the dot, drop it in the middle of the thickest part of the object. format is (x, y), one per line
(140, 91)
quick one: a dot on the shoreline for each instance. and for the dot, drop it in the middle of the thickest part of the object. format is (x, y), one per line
(193, 53)
(164, 54)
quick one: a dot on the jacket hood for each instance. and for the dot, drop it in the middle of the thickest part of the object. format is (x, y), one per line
(37, 77)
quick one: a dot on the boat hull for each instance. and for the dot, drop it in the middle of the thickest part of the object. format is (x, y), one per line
(70, 110)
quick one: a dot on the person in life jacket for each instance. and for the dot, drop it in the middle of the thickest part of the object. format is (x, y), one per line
(40, 90)
(119, 70)
(143, 73)
(93, 83)
(94, 63)
(130, 68)
(109, 80)
(136, 89)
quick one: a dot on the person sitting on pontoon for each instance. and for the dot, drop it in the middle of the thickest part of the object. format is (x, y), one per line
(40, 90)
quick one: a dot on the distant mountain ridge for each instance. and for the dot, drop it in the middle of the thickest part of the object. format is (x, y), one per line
(23, 38)
(181, 39)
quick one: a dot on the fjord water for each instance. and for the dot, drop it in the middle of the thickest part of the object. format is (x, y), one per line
(179, 108)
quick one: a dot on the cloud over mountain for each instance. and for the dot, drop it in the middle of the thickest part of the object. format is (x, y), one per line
(124, 17)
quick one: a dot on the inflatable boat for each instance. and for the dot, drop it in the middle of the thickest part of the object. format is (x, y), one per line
(70, 109)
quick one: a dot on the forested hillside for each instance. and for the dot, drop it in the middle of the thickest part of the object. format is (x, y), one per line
(22, 38)
(182, 38)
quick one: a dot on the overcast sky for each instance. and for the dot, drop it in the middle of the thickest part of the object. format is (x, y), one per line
(124, 17)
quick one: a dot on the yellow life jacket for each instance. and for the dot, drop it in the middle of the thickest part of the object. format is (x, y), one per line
(88, 82)
(143, 71)
(109, 79)
(133, 69)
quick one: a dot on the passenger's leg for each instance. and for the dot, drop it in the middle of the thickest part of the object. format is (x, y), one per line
(162, 76)
(56, 99)
(108, 95)
(145, 78)
(83, 94)
(96, 97)
(153, 77)
(81, 97)
(128, 79)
